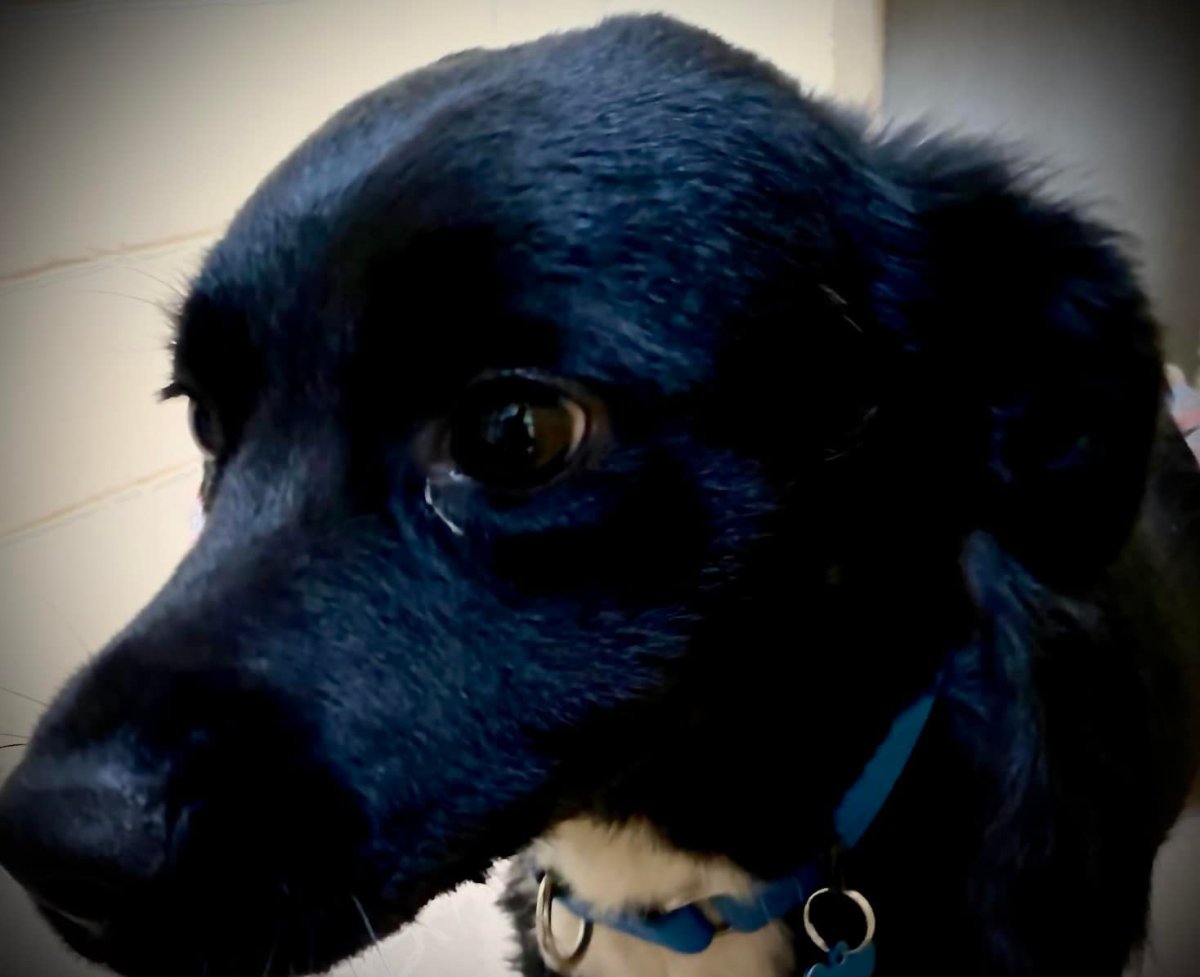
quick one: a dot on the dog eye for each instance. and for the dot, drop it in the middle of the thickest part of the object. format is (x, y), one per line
(515, 432)
(206, 430)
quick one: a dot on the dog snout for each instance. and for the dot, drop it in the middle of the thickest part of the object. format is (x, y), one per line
(80, 834)
(185, 815)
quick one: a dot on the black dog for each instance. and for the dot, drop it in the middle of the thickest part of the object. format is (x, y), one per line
(608, 445)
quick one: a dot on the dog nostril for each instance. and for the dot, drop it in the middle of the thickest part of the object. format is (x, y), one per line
(77, 839)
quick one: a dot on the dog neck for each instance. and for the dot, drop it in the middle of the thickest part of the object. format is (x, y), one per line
(613, 870)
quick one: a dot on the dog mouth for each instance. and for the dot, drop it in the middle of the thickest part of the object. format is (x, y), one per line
(194, 941)
(262, 875)
(228, 930)
(256, 945)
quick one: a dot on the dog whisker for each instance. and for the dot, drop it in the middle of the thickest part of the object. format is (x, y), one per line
(157, 304)
(179, 291)
(271, 956)
(371, 932)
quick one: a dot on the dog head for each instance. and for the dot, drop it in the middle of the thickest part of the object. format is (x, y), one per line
(577, 416)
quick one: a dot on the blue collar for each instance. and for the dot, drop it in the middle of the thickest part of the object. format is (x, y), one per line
(691, 928)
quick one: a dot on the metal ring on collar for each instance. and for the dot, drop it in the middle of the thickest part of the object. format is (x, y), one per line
(562, 962)
(855, 897)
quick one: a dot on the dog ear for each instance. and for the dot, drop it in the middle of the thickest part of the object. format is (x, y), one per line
(1028, 323)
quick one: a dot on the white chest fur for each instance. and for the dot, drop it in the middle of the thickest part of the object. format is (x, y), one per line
(616, 868)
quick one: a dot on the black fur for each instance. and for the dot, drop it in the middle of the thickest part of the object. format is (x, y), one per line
(874, 408)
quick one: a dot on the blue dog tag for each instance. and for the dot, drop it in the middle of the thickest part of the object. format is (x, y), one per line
(841, 963)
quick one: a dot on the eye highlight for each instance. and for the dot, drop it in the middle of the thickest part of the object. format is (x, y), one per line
(516, 432)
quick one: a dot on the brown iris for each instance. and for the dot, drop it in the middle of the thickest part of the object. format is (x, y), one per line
(515, 432)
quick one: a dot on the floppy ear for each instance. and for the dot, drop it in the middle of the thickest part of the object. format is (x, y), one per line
(1038, 334)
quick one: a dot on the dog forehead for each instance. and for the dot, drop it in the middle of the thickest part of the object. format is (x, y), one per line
(599, 95)
(600, 199)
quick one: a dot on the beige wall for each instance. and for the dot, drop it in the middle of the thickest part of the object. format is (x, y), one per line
(129, 132)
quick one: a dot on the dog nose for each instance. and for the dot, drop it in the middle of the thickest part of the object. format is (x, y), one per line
(79, 836)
